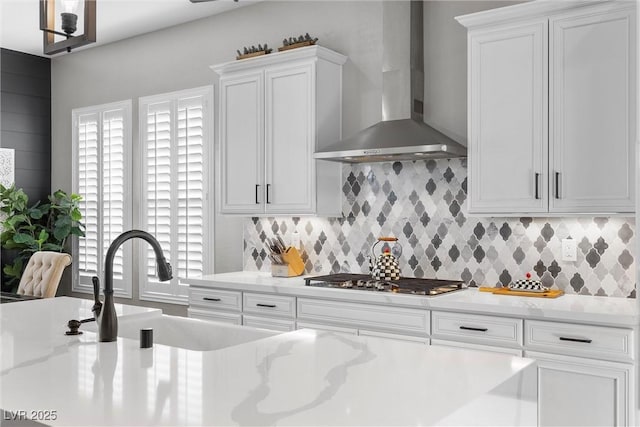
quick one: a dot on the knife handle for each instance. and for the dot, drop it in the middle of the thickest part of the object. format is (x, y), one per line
(387, 239)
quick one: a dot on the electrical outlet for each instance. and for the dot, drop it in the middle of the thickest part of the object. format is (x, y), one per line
(295, 240)
(569, 250)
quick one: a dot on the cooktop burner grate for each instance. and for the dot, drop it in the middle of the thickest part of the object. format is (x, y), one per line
(405, 285)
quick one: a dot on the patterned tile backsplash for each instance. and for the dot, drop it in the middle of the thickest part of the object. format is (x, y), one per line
(423, 204)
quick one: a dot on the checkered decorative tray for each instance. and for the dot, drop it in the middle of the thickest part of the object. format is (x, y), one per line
(528, 286)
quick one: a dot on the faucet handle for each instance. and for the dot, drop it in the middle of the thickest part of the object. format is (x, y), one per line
(97, 305)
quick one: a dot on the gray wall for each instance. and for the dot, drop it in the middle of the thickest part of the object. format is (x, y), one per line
(179, 58)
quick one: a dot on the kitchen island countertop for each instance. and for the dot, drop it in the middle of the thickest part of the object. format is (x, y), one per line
(299, 378)
(611, 311)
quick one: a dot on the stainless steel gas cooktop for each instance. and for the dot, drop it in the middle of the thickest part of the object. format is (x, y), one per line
(405, 285)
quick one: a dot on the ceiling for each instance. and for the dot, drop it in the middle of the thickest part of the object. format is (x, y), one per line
(116, 19)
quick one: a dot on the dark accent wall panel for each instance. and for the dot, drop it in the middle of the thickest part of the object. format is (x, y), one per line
(25, 106)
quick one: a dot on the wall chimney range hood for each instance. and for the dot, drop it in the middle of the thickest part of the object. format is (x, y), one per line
(402, 135)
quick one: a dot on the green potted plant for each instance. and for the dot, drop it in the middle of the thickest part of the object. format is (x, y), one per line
(41, 227)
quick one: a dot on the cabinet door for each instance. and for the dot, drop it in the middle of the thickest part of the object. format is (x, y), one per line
(508, 119)
(241, 143)
(592, 111)
(289, 139)
(583, 392)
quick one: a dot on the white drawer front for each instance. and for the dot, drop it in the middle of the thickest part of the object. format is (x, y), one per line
(216, 316)
(490, 348)
(330, 328)
(365, 316)
(215, 298)
(269, 323)
(397, 337)
(270, 305)
(492, 330)
(599, 342)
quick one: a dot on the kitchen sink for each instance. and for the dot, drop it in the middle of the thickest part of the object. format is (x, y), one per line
(188, 333)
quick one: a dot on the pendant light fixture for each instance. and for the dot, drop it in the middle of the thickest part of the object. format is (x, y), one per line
(69, 20)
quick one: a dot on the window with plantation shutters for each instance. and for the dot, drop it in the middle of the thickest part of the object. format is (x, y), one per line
(175, 140)
(102, 157)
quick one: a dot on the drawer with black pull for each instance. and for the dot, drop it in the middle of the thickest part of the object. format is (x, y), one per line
(272, 305)
(480, 329)
(215, 298)
(600, 342)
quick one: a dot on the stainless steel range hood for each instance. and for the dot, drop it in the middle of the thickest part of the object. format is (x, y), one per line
(402, 135)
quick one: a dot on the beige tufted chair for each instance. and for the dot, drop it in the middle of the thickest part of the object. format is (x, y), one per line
(43, 273)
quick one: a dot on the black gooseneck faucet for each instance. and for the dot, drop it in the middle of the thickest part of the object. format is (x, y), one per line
(108, 324)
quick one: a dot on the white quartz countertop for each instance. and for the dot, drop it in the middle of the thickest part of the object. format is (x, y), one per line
(299, 378)
(34, 329)
(622, 312)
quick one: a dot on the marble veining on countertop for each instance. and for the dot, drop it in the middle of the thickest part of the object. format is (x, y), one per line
(304, 377)
(571, 308)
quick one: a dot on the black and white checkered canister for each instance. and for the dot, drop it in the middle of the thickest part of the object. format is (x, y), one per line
(386, 268)
(528, 285)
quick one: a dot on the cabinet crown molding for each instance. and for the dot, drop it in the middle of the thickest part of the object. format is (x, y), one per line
(533, 9)
(306, 52)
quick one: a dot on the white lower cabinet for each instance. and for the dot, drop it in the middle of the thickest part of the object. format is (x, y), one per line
(575, 391)
(472, 346)
(581, 380)
(406, 324)
(479, 329)
(397, 337)
(269, 305)
(216, 316)
(268, 323)
(590, 341)
(586, 373)
(215, 304)
(330, 328)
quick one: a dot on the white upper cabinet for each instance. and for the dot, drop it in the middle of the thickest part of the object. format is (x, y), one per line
(592, 120)
(508, 127)
(552, 108)
(241, 124)
(289, 141)
(275, 112)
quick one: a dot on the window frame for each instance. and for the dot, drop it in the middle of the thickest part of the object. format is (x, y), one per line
(145, 290)
(100, 110)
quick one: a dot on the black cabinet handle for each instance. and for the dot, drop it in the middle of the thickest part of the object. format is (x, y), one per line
(584, 340)
(470, 328)
(537, 186)
(557, 185)
(268, 185)
(257, 186)
(266, 305)
(211, 299)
